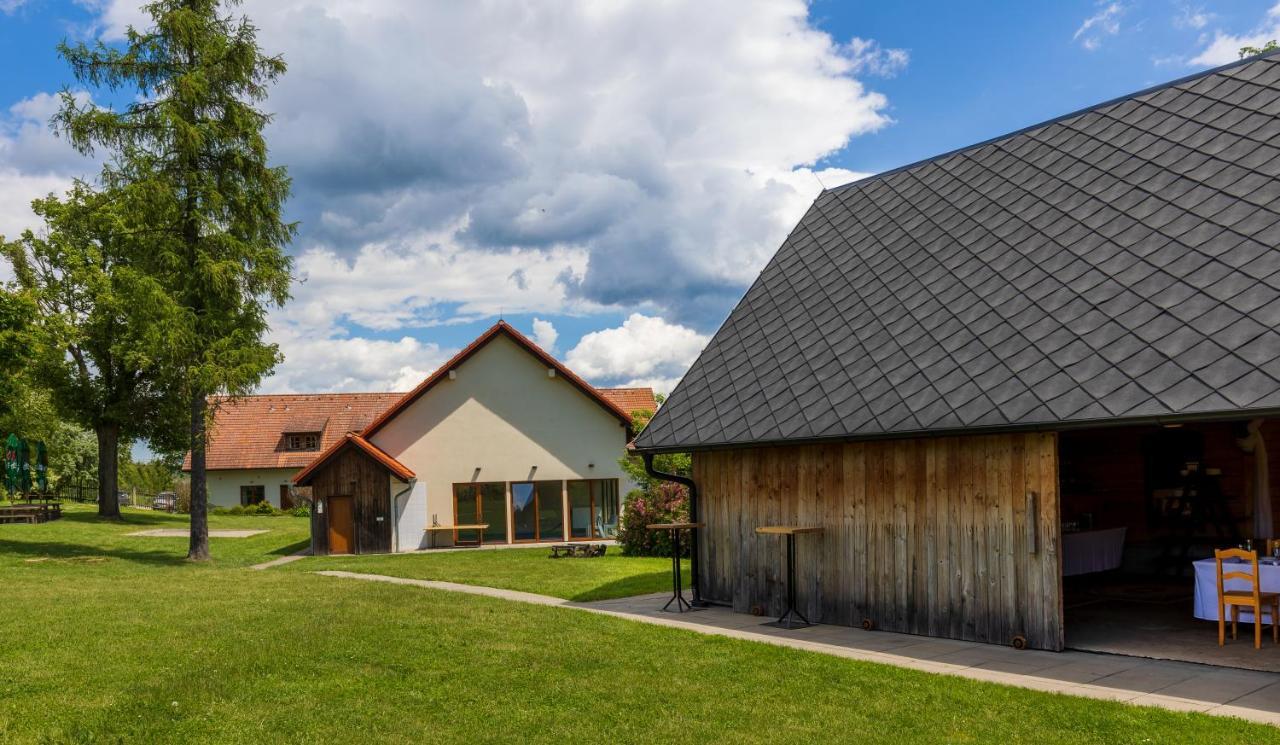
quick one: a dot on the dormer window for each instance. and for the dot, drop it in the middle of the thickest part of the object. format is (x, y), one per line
(302, 441)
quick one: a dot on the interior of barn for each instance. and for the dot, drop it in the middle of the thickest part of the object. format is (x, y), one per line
(1140, 506)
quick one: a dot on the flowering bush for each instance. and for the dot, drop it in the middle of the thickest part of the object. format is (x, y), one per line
(662, 502)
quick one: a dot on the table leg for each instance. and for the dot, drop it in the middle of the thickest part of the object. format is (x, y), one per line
(787, 619)
(677, 593)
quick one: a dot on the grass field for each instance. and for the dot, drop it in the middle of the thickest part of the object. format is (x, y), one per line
(525, 569)
(110, 638)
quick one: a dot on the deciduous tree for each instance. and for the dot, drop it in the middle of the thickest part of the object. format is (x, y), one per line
(104, 329)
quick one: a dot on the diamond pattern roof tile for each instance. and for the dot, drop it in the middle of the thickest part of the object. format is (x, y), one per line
(1118, 262)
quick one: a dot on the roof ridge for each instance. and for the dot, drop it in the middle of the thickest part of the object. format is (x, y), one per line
(1054, 120)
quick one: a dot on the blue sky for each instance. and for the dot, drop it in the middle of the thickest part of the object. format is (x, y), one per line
(607, 177)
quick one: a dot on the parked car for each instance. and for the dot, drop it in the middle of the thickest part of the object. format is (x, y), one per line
(123, 498)
(165, 500)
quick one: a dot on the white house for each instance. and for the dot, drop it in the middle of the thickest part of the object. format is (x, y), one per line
(501, 436)
(257, 444)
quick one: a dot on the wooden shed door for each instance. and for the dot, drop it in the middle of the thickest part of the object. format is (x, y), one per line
(342, 525)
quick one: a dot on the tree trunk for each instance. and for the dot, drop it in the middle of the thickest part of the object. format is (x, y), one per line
(199, 547)
(108, 470)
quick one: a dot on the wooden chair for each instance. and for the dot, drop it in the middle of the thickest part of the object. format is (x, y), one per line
(1271, 546)
(1251, 598)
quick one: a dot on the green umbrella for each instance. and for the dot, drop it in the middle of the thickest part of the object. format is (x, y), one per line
(42, 467)
(24, 465)
(12, 471)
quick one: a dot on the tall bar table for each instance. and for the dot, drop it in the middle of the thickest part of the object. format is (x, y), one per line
(787, 619)
(677, 592)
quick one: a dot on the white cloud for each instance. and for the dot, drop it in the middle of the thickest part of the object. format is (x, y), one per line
(1192, 17)
(456, 160)
(33, 163)
(9, 6)
(545, 334)
(868, 56)
(643, 351)
(1225, 47)
(315, 364)
(1105, 22)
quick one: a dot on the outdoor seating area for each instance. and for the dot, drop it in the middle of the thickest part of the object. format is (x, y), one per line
(32, 513)
(578, 550)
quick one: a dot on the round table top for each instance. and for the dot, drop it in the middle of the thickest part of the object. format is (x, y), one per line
(788, 529)
(673, 526)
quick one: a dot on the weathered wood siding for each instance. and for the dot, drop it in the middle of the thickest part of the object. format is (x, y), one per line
(926, 536)
(356, 474)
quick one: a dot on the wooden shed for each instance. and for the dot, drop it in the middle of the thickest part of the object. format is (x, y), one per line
(351, 488)
(922, 367)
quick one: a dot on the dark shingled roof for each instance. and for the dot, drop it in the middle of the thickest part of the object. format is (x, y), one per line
(1119, 263)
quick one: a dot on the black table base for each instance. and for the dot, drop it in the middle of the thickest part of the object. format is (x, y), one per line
(677, 590)
(788, 619)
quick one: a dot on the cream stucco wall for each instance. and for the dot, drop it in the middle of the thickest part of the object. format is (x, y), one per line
(224, 486)
(502, 418)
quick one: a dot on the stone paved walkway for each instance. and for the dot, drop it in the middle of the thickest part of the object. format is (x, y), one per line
(1181, 686)
(184, 532)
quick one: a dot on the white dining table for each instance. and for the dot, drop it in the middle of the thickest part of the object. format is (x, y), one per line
(1090, 551)
(1206, 603)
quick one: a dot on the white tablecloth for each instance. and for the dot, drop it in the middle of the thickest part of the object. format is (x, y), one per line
(1207, 587)
(1092, 551)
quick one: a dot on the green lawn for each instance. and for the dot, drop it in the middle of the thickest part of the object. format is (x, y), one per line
(108, 638)
(527, 569)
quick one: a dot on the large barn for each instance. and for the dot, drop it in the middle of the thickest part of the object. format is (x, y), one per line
(1054, 352)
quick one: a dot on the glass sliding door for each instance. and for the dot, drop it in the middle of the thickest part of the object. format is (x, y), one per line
(493, 510)
(604, 507)
(524, 511)
(466, 511)
(550, 510)
(579, 509)
(537, 511)
(593, 508)
(480, 504)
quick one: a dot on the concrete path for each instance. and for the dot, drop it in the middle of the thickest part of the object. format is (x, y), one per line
(1180, 686)
(282, 560)
(183, 533)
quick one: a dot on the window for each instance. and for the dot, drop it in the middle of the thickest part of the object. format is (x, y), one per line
(252, 495)
(302, 441)
(537, 511)
(593, 508)
(480, 504)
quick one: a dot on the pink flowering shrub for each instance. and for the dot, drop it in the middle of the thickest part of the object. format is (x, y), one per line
(662, 502)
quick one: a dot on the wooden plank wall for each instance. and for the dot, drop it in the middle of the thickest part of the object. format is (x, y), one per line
(354, 473)
(926, 536)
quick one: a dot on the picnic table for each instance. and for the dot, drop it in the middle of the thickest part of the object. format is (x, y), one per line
(677, 592)
(578, 549)
(31, 513)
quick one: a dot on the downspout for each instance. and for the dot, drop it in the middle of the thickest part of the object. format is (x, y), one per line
(694, 563)
(395, 517)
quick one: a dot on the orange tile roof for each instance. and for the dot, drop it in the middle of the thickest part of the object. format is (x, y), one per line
(397, 469)
(631, 399)
(249, 432)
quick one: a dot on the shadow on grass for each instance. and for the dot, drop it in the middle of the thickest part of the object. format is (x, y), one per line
(63, 550)
(292, 548)
(636, 584)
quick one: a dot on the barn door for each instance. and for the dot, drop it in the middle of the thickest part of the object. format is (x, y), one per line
(342, 525)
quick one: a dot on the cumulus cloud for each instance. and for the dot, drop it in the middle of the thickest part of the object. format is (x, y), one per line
(545, 334)
(315, 364)
(660, 139)
(455, 160)
(33, 163)
(1103, 23)
(1225, 47)
(643, 351)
